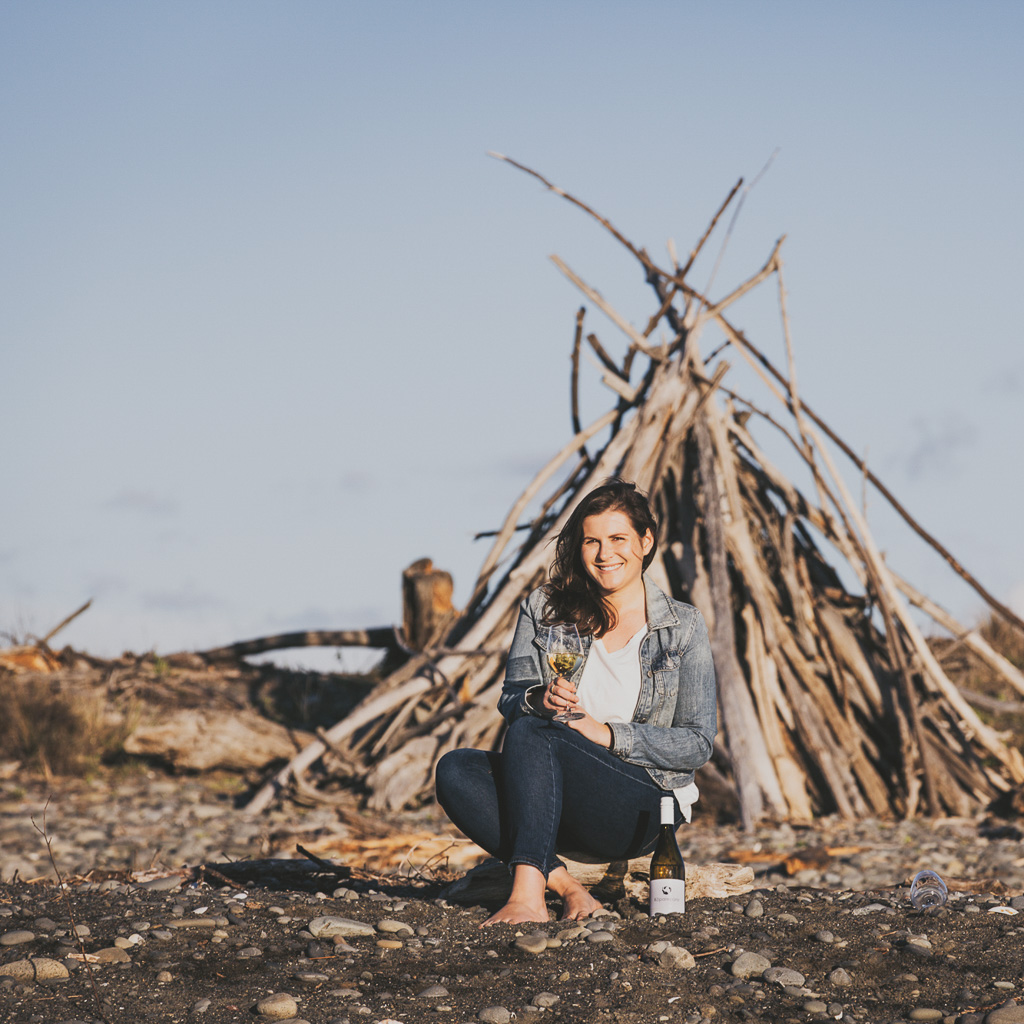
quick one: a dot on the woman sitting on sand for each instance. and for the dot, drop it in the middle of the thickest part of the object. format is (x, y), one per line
(647, 693)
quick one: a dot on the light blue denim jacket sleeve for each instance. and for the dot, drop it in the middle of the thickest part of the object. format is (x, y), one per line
(675, 720)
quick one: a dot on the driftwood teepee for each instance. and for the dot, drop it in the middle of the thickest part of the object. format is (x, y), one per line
(830, 698)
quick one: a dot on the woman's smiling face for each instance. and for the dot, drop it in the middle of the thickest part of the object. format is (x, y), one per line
(612, 551)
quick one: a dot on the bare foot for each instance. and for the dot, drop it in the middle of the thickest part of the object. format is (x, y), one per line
(577, 903)
(515, 912)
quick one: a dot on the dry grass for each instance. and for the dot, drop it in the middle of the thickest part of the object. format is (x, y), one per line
(52, 728)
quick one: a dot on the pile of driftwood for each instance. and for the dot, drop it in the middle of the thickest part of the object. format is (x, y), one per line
(831, 701)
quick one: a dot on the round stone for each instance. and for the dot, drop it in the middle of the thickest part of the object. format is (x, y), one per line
(754, 908)
(815, 1006)
(1006, 1015)
(201, 1005)
(432, 992)
(19, 970)
(544, 999)
(825, 936)
(532, 943)
(677, 958)
(926, 1013)
(390, 943)
(164, 977)
(494, 1015)
(840, 977)
(279, 1006)
(783, 976)
(390, 927)
(112, 955)
(601, 936)
(328, 927)
(17, 937)
(750, 965)
(48, 969)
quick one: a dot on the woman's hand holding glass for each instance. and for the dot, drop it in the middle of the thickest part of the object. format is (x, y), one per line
(565, 656)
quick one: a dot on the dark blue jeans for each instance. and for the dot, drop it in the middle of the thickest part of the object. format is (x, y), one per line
(550, 790)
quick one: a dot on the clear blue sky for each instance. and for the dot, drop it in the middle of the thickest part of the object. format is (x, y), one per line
(274, 325)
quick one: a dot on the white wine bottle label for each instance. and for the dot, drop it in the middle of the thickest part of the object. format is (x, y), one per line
(668, 896)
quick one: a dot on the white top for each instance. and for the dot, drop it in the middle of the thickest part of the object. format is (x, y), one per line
(609, 689)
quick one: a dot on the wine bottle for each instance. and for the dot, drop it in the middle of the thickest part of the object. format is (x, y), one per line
(668, 871)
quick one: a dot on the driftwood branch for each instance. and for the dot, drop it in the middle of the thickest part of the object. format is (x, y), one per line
(382, 636)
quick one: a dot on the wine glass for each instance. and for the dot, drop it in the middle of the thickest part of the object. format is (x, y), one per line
(565, 655)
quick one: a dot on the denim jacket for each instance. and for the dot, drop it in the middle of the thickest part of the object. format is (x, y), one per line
(675, 720)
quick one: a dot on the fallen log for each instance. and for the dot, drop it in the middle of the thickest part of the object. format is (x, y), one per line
(491, 881)
(200, 740)
(380, 636)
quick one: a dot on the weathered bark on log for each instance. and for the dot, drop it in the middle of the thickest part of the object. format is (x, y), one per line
(491, 882)
(427, 609)
(382, 636)
(200, 740)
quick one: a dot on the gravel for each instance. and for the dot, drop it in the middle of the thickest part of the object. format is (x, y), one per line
(391, 950)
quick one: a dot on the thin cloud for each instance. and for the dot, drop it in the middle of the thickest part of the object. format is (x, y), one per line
(937, 445)
(1007, 383)
(147, 503)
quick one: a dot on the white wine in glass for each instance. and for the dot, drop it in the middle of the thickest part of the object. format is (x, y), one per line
(565, 655)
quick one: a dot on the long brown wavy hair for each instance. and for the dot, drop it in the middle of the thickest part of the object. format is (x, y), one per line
(573, 596)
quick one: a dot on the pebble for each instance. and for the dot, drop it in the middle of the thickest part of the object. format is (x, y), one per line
(112, 955)
(754, 908)
(783, 976)
(279, 1006)
(19, 970)
(750, 965)
(390, 943)
(544, 1000)
(329, 927)
(39, 968)
(17, 938)
(1009, 1014)
(677, 958)
(390, 927)
(926, 1013)
(494, 1015)
(432, 992)
(840, 977)
(535, 942)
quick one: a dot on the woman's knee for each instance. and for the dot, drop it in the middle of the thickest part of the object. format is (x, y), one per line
(451, 768)
(526, 730)
(463, 773)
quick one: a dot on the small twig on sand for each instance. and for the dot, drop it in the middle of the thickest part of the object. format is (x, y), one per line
(71, 911)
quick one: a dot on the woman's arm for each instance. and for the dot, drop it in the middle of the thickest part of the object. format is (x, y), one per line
(523, 669)
(688, 742)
